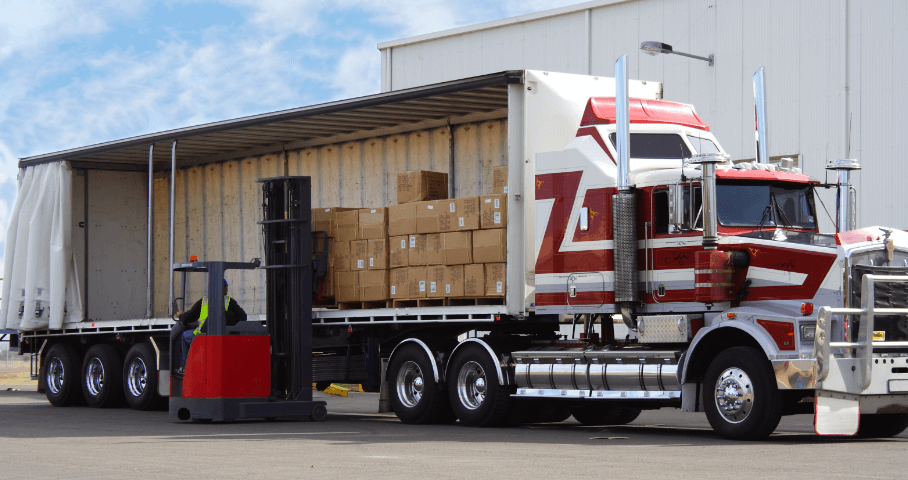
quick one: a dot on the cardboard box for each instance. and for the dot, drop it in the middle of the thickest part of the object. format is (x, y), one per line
(342, 257)
(373, 223)
(435, 249)
(416, 281)
(379, 254)
(359, 255)
(421, 185)
(323, 219)
(490, 246)
(467, 215)
(399, 248)
(474, 280)
(427, 217)
(454, 281)
(458, 247)
(447, 215)
(401, 219)
(346, 225)
(347, 286)
(399, 283)
(493, 210)
(500, 180)
(496, 279)
(374, 285)
(326, 289)
(417, 255)
(435, 281)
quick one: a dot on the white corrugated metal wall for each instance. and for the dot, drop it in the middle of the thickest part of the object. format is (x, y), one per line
(831, 70)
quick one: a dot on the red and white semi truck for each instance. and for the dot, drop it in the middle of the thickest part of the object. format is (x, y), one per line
(620, 210)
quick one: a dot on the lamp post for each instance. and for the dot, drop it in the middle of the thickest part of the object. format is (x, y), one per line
(655, 48)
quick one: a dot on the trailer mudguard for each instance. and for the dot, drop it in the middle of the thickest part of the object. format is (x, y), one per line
(503, 377)
(435, 371)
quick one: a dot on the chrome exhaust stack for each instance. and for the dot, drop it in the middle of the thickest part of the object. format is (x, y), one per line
(762, 131)
(844, 204)
(707, 162)
(624, 203)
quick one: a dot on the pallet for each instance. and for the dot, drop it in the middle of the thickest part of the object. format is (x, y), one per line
(470, 301)
(363, 305)
(423, 302)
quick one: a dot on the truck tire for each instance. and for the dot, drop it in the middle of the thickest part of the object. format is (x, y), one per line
(882, 425)
(476, 396)
(60, 374)
(605, 415)
(415, 396)
(740, 396)
(140, 378)
(102, 377)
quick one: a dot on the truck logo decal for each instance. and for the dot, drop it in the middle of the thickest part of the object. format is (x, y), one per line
(753, 251)
(538, 184)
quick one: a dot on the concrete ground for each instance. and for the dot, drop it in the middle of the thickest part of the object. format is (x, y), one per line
(37, 439)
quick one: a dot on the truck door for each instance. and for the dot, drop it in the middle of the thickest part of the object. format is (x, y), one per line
(673, 233)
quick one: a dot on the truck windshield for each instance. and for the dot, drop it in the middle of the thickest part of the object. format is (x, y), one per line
(750, 204)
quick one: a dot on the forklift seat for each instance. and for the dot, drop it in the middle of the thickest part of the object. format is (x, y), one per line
(247, 328)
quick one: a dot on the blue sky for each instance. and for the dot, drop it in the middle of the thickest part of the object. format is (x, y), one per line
(75, 73)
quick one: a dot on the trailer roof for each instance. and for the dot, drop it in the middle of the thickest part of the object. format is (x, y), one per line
(333, 122)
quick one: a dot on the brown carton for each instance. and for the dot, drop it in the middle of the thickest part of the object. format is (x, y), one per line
(326, 286)
(467, 215)
(447, 215)
(427, 217)
(416, 281)
(399, 286)
(399, 248)
(378, 254)
(417, 250)
(496, 279)
(402, 219)
(493, 211)
(346, 225)
(347, 287)
(374, 285)
(458, 247)
(373, 223)
(490, 246)
(454, 281)
(435, 249)
(359, 255)
(474, 280)
(332, 257)
(342, 258)
(421, 185)
(500, 180)
(435, 281)
(323, 219)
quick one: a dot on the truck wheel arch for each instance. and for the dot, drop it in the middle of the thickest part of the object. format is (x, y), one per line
(712, 340)
(501, 370)
(436, 372)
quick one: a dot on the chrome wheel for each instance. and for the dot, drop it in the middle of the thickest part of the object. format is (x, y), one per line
(54, 377)
(471, 385)
(410, 384)
(136, 377)
(94, 376)
(734, 395)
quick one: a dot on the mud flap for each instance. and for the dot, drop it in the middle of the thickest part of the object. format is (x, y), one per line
(836, 414)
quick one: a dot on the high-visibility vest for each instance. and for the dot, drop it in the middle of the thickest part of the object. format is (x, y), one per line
(204, 314)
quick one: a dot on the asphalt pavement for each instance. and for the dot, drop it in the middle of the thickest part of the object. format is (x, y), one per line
(354, 441)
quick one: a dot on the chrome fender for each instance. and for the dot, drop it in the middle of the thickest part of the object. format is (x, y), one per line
(754, 331)
(435, 371)
(502, 369)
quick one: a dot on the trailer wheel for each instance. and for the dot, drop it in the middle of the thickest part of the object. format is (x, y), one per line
(140, 378)
(102, 377)
(60, 375)
(740, 395)
(605, 415)
(415, 396)
(882, 425)
(476, 396)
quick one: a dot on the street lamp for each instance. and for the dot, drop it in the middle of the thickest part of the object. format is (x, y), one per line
(655, 48)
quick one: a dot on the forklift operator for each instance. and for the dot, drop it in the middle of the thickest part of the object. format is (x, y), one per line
(194, 320)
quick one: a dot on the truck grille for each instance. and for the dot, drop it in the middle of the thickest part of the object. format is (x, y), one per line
(886, 295)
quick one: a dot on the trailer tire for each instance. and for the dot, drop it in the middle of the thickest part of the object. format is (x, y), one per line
(476, 396)
(414, 395)
(745, 374)
(61, 374)
(102, 377)
(140, 378)
(605, 415)
(882, 425)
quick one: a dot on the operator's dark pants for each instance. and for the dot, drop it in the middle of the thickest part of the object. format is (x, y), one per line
(186, 339)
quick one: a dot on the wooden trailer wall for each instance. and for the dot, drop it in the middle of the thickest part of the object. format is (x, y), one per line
(217, 205)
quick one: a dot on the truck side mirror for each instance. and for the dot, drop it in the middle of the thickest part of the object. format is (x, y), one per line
(675, 209)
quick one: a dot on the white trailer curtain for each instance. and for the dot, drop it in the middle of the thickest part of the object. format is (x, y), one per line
(39, 271)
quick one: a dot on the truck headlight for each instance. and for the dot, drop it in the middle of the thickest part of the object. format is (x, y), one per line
(808, 332)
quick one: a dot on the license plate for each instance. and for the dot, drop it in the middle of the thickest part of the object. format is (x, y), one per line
(898, 386)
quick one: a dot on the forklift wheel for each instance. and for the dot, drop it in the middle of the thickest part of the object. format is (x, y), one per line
(319, 412)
